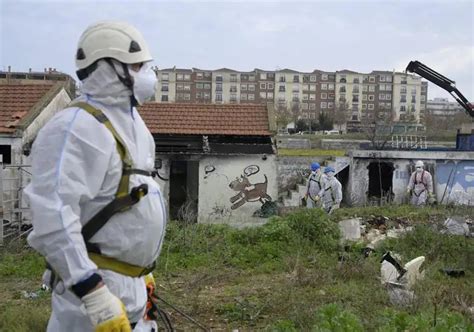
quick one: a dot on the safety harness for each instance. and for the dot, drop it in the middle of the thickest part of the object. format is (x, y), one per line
(123, 201)
(314, 180)
(416, 182)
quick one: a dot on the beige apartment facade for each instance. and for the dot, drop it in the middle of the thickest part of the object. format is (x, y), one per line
(356, 97)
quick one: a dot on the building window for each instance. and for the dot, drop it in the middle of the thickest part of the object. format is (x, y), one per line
(270, 86)
(179, 77)
(199, 76)
(342, 98)
(342, 89)
(295, 88)
(403, 109)
(233, 88)
(389, 78)
(371, 98)
(281, 88)
(355, 107)
(187, 87)
(331, 96)
(381, 97)
(233, 77)
(324, 95)
(207, 95)
(218, 86)
(371, 88)
(305, 96)
(251, 96)
(199, 86)
(243, 96)
(263, 86)
(251, 87)
(382, 78)
(423, 97)
(312, 97)
(164, 87)
(251, 77)
(364, 106)
(324, 104)
(219, 78)
(312, 78)
(164, 98)
(355, 89)
(413, 99)
(180, 87)
(304, 106)
(330, 105)
(187, 96)
(207, 86)
(218, 97)
(356, 80)
(243, 87)
(371, 107)
(342, 79)
(324, 77)
(403, 89)
(312, 87)
(244, 77)
(187, 77)
(296, 78)
(263, 76)
(388, 97)
(364, 97)
(371, 79)
(403, 98)
(165, 77)
(269, 95)
(233, 98)
(263, 95)
(330, 86)
(281, 79)
(355, 98)
(305, 87)
(355, 117)
(312, 106)
(324, 86)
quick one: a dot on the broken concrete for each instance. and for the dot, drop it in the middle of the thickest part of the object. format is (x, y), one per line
(456, 226)
(350, 229)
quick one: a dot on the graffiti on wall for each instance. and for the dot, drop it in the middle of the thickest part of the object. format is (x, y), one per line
(455, 181)
(219, 211)
(210, 170)
(248, 191)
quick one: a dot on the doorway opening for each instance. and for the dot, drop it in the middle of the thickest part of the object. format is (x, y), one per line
(380, 190)
(184, 190)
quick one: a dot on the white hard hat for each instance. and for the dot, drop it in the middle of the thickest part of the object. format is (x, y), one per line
(419, 163)
(111, 39)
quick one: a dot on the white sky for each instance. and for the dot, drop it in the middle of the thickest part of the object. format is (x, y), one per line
(243, 35)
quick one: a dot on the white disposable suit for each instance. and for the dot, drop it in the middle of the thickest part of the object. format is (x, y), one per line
(76, 172)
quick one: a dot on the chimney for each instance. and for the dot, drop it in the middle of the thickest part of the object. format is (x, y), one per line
(9, 68)
(30, 70)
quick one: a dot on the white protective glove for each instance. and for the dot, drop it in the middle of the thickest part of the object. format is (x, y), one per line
(106, 311)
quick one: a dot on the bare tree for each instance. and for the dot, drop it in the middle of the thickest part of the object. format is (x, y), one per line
(341, 115)
(378, 126)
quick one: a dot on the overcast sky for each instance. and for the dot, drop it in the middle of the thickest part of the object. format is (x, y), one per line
(243, 35)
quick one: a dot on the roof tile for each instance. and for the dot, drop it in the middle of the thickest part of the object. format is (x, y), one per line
(206, 119)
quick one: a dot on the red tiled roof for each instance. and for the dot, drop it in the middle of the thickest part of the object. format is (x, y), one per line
(206, 119)
(15, 102)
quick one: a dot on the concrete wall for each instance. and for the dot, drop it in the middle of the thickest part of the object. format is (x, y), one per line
(455, 182)
(292, 168)
(219, 181)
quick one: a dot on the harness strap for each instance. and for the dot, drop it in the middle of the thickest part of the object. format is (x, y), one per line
(112, 264)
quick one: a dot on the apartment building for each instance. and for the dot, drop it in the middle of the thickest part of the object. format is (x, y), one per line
(360, 97)
(406, 97)
(442, 107)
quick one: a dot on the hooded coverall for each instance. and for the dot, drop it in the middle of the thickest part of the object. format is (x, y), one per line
(420, 184)
(332, 193)
(315, 188)
(76, 172)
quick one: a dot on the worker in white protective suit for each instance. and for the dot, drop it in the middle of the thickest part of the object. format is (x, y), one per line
(420, 186)
(315, 186)
(332, 191)
(98, 152)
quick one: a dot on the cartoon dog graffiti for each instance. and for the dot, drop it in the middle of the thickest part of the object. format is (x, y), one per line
(248, 192)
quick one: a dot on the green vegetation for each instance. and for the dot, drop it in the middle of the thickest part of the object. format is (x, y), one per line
(284, 276)
(310, 152)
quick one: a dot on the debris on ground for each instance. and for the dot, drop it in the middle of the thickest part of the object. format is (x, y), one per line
(455, 273)
(350, 229)
(456, 226)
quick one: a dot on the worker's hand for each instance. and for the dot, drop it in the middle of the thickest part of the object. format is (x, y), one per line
(409, 191)
(317, 198)
(106, 311)
(151, 312)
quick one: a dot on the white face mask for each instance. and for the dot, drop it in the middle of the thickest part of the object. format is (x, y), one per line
(419, 169)
(330, 175)
(144, 83)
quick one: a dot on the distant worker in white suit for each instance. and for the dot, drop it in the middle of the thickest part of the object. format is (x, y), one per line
(98, 215)
(420, 186)
(332, 191)
(315, 186)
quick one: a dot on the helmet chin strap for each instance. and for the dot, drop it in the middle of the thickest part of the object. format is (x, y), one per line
(127, 80)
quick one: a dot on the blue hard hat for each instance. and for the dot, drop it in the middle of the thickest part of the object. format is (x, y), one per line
(329, 169)
(315, 166)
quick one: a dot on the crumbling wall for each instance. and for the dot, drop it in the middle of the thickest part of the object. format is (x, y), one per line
(358, 182)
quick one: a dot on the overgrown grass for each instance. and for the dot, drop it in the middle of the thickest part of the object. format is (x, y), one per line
(311, 152)
(286, 276)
